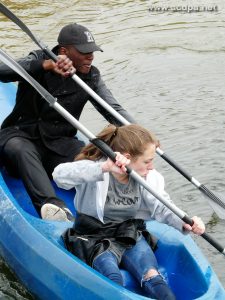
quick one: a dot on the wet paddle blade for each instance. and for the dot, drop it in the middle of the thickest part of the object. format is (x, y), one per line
(9, 14)
(217, 208)
(16, 20)
(211, 197)
(216, 201)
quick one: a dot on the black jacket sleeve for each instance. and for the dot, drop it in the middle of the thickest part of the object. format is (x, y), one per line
(31, 63)
(106, 95)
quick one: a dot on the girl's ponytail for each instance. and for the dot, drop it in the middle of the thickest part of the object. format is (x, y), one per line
(132, 139)
(93, 153)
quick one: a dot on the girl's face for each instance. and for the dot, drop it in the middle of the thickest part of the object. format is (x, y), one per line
(144, 163)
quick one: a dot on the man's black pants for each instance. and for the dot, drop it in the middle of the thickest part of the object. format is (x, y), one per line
(34, 163)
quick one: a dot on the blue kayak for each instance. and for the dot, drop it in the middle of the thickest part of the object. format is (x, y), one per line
(34, 250)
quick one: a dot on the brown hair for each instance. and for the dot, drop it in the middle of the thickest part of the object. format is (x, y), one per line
(132, 139)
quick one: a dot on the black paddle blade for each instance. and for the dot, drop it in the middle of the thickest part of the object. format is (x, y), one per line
(216, 201)
(17, 21)
(212, 196)
(5, 11)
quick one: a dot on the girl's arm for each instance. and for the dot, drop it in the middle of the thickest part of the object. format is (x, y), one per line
(158, 211)
(68, 175)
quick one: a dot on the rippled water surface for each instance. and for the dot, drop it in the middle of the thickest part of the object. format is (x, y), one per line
(167, 69)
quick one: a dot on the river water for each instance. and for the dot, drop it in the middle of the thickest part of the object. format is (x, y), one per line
(167, 69)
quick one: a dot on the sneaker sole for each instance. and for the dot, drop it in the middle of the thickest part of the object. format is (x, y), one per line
(53, 213)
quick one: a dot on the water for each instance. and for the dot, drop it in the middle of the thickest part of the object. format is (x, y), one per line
(167, 69)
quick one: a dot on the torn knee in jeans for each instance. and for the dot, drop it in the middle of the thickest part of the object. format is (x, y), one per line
(150, 274)
(156, 287)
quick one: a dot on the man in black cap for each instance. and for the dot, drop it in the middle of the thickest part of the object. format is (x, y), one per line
(34, 138)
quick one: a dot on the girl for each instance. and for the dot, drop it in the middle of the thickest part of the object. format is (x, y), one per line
(111, 208)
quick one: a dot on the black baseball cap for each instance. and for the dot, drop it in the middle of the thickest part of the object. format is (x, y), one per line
(78, 36)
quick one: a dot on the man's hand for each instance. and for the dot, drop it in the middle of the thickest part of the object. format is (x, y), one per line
(63, 66)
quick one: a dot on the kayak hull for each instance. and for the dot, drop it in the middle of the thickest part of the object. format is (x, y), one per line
(34, 250)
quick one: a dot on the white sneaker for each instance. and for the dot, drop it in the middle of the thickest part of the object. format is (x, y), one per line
(53, 212)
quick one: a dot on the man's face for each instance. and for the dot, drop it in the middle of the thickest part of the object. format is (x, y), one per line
(82, 62)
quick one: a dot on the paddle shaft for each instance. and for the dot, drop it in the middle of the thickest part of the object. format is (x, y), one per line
(98, 143)
(120, 118)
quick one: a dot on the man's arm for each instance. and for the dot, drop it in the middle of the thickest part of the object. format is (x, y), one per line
(30, 63)
(35, 64)
(106, 95)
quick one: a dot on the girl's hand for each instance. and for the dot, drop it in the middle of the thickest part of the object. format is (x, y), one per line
(118, 167)
(198, 227)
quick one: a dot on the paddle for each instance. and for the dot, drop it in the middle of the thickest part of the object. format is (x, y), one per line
(100, 144)
(217, 203)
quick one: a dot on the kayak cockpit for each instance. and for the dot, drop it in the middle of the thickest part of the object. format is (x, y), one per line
(177, 263)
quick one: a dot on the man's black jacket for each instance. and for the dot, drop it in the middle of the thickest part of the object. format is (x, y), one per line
(32, 117)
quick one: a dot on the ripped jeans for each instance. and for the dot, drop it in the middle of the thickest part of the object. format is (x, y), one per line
(138, 261)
